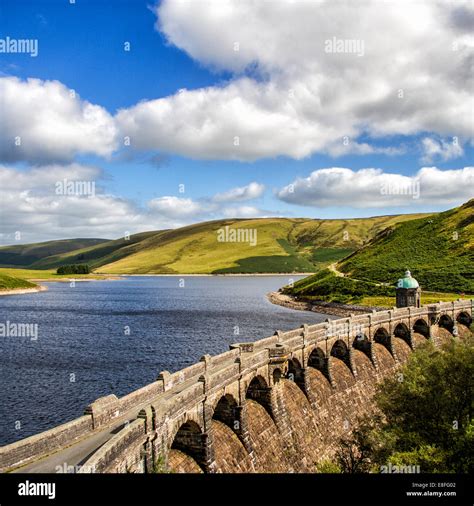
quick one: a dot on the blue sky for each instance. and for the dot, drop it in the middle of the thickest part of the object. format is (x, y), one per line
(179, 140)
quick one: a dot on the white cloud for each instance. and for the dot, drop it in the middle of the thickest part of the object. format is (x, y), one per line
(300, 99)
(43, 122)
(249, 192)
(434, 149)
(175, 207)
(307, 100)
(32, 206)
(246, 212)
(336, 186)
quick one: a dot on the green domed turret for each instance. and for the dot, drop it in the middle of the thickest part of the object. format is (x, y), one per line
(407, 281)
(408, 291)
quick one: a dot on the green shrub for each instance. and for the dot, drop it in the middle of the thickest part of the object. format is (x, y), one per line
(73, 269)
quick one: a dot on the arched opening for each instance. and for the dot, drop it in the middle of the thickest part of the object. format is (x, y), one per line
(446, 322)
(317, 359)
(276, 376)
(189, 440)
(382, 337)
(421, 327)
(295, 373)
(361, 342)
(225, 411)
(259, 392)
(340, 351)
(464, 318)
(402, 332)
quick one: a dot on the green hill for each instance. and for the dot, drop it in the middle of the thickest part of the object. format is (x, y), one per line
(438, 249)
(96, 255)
(11, 283)
(23, 255)
(281, 245)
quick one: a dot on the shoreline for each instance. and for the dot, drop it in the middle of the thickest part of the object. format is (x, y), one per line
(21, 291)
(223, 275)
(330, 308)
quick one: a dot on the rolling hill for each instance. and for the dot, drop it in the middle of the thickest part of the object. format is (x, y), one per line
(438, 249)
(24, 255)
(282, 245)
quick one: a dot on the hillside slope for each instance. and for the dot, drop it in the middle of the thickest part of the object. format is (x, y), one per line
(23, 255)
(96, 255)
(439, 251)
(282, 245)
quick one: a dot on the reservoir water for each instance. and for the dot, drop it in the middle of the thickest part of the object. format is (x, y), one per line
(115, 336)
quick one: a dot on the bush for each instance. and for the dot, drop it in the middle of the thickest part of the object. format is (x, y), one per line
(73, 269)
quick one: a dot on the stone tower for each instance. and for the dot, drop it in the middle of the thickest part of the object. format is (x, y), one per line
(408, 291)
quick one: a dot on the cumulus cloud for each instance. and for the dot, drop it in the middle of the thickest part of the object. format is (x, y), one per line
(43, 121)
(32, 206)
(287, 95)
(246, 212)
(249, 192)
(371, 187)
(37, 206)
(306, 99)
(441, 149)
(176, 207)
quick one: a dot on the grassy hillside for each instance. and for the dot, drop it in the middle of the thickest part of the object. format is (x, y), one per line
(11, 283)
(326, 286)
(439, 250)
(95, 255)
(283, 245)
(23, 255)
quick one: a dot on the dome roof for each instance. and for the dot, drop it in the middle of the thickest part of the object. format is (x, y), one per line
(407, 281)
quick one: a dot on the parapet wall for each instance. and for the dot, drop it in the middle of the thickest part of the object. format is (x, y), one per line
(324, 374)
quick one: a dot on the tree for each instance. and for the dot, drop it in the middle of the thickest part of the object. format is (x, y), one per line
(73, 269)
(426, 416)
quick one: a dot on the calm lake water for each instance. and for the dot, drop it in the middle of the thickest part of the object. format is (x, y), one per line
(83, 351)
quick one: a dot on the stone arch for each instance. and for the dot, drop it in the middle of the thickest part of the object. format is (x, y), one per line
(296, 373)
(402, 331)
(362, 343)
(225, 410)
(317, 359)
(340, 350)
(259, 391)
(421, 327)
(446, 322)
(382, 337)
(464, 318)
(277, 375)
(189, 439)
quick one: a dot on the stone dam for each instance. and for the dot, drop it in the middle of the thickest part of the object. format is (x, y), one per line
(279, 404)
